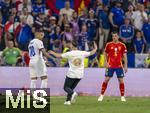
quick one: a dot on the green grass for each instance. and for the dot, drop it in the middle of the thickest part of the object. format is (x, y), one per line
(109, 105)
(89, 104)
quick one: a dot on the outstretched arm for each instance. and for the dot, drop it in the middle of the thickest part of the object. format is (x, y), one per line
(94, 50)
(58, 55)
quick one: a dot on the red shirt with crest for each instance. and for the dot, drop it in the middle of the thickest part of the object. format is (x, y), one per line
(115, 52)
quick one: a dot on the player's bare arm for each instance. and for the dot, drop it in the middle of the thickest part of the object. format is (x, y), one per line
(125, 62)
(94, 50)
(45, 53)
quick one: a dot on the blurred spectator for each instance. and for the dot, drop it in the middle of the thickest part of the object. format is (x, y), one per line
(26, 4)
(92, 26)
(93, 61)
(139, 17)
(146, 33)
(14, 13)
(63, 21)
(74, 24)
(29, 18)
(139, 43)
(53, 24)
(67, 10)
(9, 29)
(127, 34)
(56, 40)
(104, 27)
(82, 18)
(83, 39)
(39, 21)
(116, 16)
(11, 55)
(6, 10)
(23, 34)
(67, 36)
(38, 7)
(130, 11)
(49, 27)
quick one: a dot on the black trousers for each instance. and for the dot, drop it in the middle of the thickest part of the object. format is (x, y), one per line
(69, 86)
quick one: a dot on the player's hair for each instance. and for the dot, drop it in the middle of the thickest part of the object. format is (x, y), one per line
(114, 32)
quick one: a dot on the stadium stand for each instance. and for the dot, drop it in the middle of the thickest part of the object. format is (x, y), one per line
(83, 21)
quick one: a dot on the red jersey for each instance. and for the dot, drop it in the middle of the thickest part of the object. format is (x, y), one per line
(115, 53)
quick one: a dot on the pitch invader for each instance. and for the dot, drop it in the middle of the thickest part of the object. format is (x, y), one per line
(76, 69)
(37, 66)
(115, 52)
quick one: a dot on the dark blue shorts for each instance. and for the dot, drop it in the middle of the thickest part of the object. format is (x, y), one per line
(119, 72)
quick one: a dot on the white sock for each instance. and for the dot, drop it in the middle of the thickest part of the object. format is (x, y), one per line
(44, 83)
(33, 84)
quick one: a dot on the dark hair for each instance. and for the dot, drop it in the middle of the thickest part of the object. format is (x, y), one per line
(137, 31)
(75, 44)
(114, 32)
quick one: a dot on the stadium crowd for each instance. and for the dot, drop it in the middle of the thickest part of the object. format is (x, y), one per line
(19, 19)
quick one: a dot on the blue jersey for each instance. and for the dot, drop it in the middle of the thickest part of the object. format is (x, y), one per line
(104, 19)
(139, 45)
(25, 35)
(146, 31)
(118, 16)
(92, 25)
(82, 21)
(55, 37)
(126, 31)
(39, 9)
(82, 41)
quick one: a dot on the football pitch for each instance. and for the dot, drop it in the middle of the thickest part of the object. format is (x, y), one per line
(108, 105)
(89, 104)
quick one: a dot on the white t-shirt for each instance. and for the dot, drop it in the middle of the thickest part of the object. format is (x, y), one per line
(76, 63)
(137, 17)
(34, 47)
(67, 12)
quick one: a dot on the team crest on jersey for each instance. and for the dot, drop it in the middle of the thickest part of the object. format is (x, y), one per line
(119, 48)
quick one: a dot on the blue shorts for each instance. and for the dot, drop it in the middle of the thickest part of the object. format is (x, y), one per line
(110, 72)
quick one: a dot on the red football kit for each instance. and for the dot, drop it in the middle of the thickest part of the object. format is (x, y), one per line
(115, 53)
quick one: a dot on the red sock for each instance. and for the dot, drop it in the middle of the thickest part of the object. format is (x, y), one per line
(104, 86)
(122, 88)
